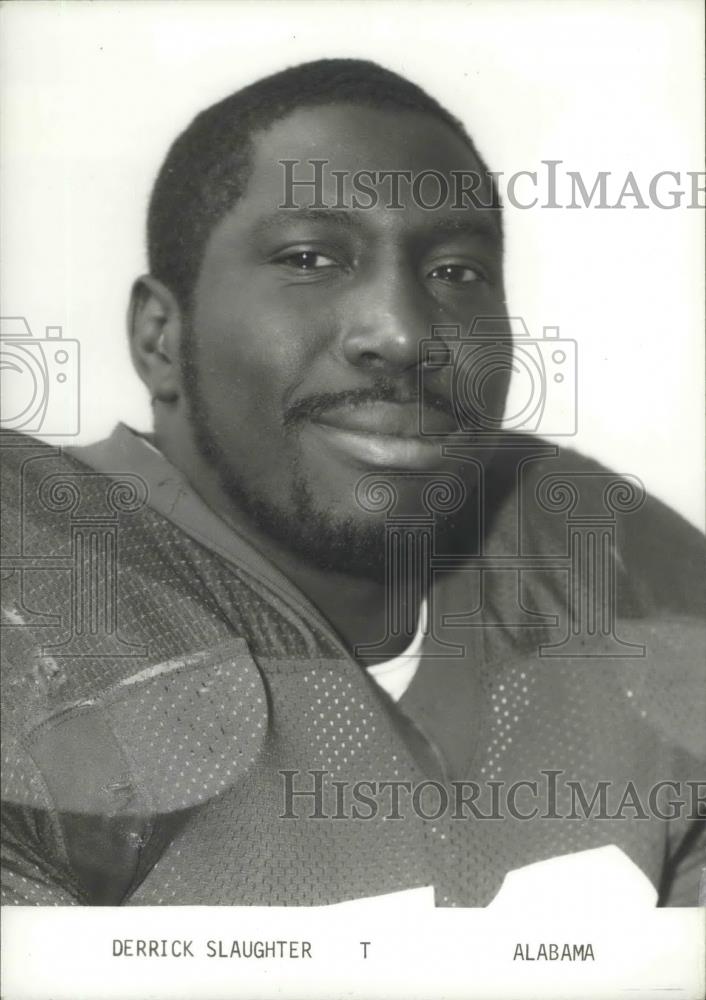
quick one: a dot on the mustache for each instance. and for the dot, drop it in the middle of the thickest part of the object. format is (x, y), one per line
(383, 392)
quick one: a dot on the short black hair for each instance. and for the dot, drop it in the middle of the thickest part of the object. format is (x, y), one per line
(207, 167)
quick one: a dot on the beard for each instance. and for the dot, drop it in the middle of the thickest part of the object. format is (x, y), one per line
(303, 527)
(340, 544)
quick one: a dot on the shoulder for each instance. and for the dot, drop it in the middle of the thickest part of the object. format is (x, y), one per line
(107, 662)
(546, 489)
(622, 555)
(42, 484)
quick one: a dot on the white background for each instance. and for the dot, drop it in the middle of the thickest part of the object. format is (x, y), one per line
(94, 93)
(414, 952)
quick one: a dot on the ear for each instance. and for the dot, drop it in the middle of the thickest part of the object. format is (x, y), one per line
(155, 327)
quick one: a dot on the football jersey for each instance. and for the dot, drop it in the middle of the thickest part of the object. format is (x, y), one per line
(183, 726)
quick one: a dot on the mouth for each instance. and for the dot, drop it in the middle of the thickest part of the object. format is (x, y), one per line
(385, 435)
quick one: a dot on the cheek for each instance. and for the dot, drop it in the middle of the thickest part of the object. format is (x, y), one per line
(248, 361)
(260, 337)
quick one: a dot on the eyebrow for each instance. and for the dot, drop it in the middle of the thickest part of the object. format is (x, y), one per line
(471, 223)
(474, 225)
(339, 217)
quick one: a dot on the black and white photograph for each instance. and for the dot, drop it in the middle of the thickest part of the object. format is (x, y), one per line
(353, 577)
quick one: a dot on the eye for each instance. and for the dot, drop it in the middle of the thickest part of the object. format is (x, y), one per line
(455, 274)
(307, 260)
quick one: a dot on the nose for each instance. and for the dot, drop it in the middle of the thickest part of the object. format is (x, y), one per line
(388, 318)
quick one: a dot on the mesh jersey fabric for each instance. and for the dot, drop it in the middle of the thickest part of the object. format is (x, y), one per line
(394, 675)
(148, 741)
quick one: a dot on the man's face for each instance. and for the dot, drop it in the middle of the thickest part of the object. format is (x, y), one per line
(306, 327)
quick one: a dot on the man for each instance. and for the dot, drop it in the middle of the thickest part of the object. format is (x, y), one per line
(298, 645)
